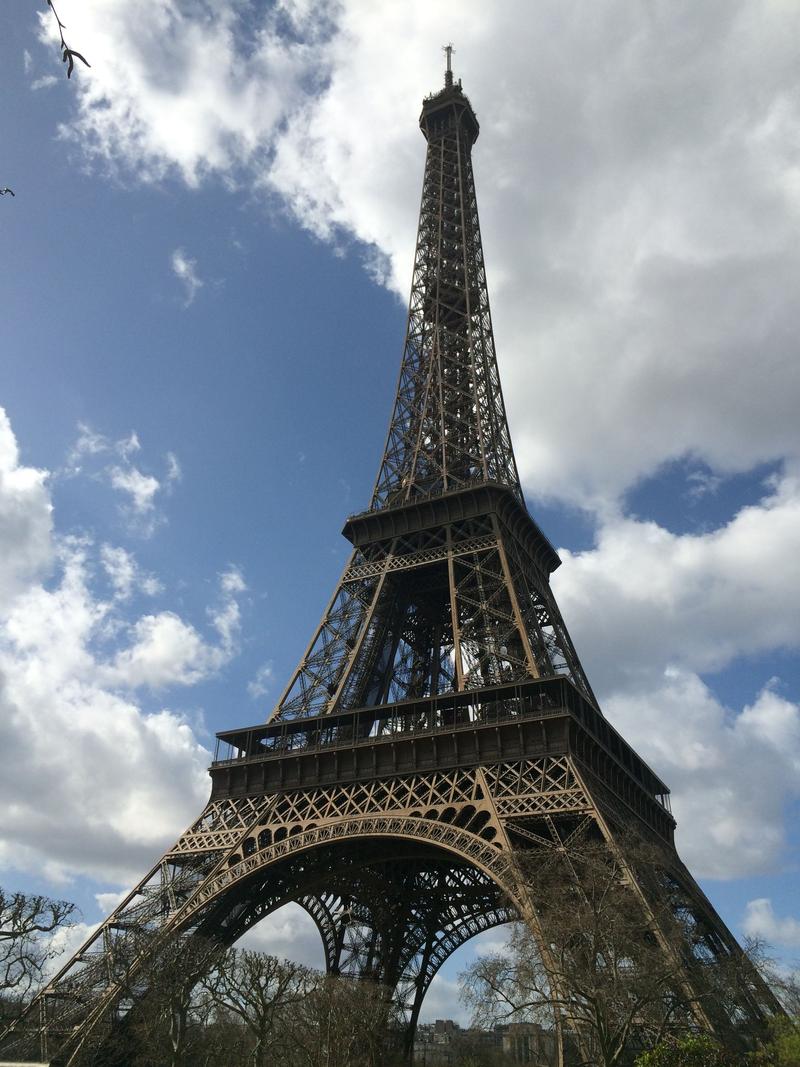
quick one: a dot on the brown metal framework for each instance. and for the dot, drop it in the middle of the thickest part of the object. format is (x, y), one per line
(439, 724)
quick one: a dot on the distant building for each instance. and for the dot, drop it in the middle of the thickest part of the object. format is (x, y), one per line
(444, 1043)
(529, 1043)
(434, 1043)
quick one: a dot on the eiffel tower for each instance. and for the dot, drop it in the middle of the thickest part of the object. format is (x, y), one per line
(439, 723)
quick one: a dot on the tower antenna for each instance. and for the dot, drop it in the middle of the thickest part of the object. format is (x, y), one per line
(448, 74)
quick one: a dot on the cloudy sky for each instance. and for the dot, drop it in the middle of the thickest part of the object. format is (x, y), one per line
(205, 269)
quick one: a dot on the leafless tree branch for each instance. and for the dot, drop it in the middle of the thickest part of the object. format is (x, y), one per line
(68, 55)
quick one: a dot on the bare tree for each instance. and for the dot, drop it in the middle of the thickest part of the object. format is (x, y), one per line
(345, 1022)
(297, 1016)
(785, 984)
(68, 55)
(27, 923)
(612, 979)
(164, 1021)
(262, 992)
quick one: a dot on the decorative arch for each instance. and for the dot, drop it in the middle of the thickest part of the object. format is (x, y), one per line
(392, 898)
(462, 844)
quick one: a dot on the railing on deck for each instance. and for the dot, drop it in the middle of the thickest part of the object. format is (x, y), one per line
(385, 721)
(533, 699)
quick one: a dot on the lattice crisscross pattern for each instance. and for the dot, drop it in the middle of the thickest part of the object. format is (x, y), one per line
(448, 428)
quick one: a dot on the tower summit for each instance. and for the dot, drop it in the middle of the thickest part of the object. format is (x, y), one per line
(439, 736)
(449, 427)
(448, 74)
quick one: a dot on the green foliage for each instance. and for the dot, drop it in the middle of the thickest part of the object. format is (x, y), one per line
(694, 1050)
(783, 1047)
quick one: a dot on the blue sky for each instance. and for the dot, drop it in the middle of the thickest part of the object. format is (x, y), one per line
(205, 272)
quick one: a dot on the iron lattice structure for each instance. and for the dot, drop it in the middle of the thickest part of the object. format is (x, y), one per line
(439, 725)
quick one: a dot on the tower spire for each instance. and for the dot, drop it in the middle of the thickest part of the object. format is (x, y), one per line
(448, 74)
(448, 429)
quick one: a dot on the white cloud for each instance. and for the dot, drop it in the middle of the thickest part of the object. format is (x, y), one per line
(141, 488)
(733, 774)
(492, 942)
(25, 518)
(637, 186)
(702, 483)
(166, 650)
(89, 443)
(650, 611)
(262, 682)
(288, 933)
(120, 567)
(114, 782)
(192, 92)
(44, 81)
(107, 460)
(149, 584)
(128, 446)
(65, 942)
(174, 472)
(185, 270)
(644, 598)
(124, 573)
(106, 902)
(442, 1001)
(760, 921)
(226, 617)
